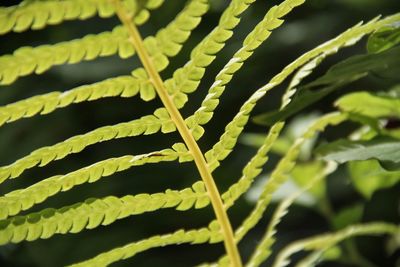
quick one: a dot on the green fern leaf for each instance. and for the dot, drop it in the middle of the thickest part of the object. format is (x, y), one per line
(252, 168)
(167, 42)
(232, 131)
(23, 199)
(282, 170)
(187, 79)
(18, 224)
(263, 249)
(124, 86)
(37, 14)
(27, 60)
(149, 124)
(94, 212)
(341, 41)
(328, 240)
(199, 236)
(254, 39)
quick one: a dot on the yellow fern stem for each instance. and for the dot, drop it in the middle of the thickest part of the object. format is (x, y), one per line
(215, 197)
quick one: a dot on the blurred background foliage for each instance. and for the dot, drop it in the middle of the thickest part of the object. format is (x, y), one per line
(306, 27)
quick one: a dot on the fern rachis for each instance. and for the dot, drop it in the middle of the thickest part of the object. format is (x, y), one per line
(186, 135)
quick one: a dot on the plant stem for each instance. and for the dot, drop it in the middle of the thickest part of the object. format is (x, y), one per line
(215, 197)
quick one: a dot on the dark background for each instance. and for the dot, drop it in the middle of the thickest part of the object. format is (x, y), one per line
(307, 26)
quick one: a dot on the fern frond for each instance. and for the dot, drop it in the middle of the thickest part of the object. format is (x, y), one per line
(345, 39)
(237, 124)
(124, 86)
(252, 168)
(27, 60)
(95, 212)
(23, 199)
(232, 131)
(146, 125)
(263, 249)
(301, 74)
(328, 240)
(312, 59)
(250, 171)
(280, 173)
(198, 236)
(38, 14)
(188, 137)
(254, 39)
(186, 79)
(236, 190)
(167, 42)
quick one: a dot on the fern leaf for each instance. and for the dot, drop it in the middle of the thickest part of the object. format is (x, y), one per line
(185, 133)
(250, 171)
(317, 54)
(254, 39)
(263, 249)
(149, 124)
(252, 168)
(167, 42)
(23, 199)
(154, 52)
(95, 212)
(232, 131)
(302, 73)
(27, 60)
(236, 190)
(280, 173)
(186, 79)
(124, 86)
(198, 236)
(329, 240)
(38, 14)
(223, 261)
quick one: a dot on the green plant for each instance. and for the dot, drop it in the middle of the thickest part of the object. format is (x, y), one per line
(154, 53)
